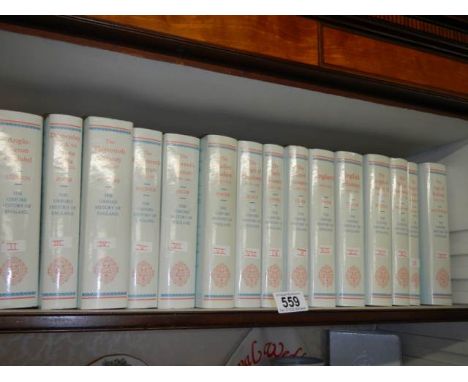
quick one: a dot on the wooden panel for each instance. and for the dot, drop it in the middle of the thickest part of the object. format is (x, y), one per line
(286, 37)
(363, 55)
(80, 320)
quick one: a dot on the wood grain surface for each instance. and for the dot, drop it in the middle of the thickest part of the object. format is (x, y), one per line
(342, 50)
(285, 37)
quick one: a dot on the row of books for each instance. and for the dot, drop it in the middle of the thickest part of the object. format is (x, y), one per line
(132, 218)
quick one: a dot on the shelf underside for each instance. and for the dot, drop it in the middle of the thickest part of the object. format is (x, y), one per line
(103, 320)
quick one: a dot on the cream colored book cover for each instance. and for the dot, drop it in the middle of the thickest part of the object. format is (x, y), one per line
(216, 223)
(322, 228)
(434, 235)
(400, 240)
(272, 230)
(413, 238)
(248, 225)
(20, 205)
(60, 223)
(349, 231)
(296, 217)
(179, 208)
(105, 233)
(378, 226)
(146, 215)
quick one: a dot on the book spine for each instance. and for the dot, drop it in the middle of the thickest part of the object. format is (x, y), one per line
(272, 222)
(400, 241)
(434, 235)
(322, 228)
(20, 200)
(413, 238)
(217, 223)
(178, 222)
(349, 229)
(145, 219)
(377, 233)
(60, 211)
(296, 216)
(248, 225)
(105, 239)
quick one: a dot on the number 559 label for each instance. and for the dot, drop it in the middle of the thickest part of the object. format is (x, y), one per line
(290, 302)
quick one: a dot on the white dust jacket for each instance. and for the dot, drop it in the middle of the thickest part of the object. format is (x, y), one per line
(296, 217)
(413, 238)
(179, 208)
(105, 232)
(249, 225)
(349, 229)
(400, 240)
(436, 288)
(272, 224)
(146, 217)
(20, 198)
(60, 233)
(216, 223)
(378, 230)
(322, 228)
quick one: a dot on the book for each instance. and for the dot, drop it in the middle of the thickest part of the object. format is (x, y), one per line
(400, 240)
(377, 232)
(60, 222)
(322, 228)
(434, 235)
(20, 201)
(413, 238)
(145, 219)
(349, 229)
(248, 225)
(216, 223)
(105, 230)
(179, 209)
(296, 219)
(272, 223)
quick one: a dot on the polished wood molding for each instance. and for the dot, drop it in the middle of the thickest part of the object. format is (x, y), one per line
(288, 38)
(29, 320)
(342, 50)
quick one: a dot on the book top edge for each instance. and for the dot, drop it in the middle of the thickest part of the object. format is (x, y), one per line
(104, 122)
(16, 117)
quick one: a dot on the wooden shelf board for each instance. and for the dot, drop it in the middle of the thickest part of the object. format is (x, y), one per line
(34, 320)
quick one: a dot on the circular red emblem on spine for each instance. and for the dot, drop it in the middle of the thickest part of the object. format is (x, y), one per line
(326, 276)
(274, 276)
(382, 276)
(353, 276)
(13, 270)
(403, 277)
(251, 275)
(60, 270)
(106, 269)
(180, 273)
(144, 273)
(299, 276)
(443, 278)
(220, 275)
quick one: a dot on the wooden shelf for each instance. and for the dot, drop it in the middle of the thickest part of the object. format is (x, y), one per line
(108, 320)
